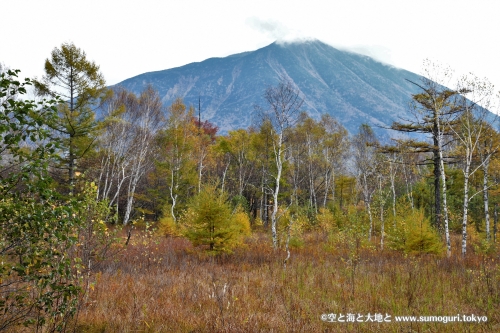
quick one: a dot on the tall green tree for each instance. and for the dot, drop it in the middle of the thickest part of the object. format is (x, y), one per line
(79, 82)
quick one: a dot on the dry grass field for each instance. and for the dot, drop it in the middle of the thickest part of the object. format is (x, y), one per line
(159, 284)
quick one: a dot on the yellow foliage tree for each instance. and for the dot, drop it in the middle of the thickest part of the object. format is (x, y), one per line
(210, 222)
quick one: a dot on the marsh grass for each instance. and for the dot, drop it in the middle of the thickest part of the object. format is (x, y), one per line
(165, 285)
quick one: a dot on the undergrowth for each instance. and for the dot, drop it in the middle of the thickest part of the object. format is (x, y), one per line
(163, 284)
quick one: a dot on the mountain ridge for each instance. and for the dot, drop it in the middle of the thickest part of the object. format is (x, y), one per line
(353, 88)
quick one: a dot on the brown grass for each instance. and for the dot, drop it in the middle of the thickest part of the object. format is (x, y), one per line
(164, 285)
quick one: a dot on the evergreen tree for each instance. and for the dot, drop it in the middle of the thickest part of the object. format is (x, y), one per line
(209, 221)
(69, 74)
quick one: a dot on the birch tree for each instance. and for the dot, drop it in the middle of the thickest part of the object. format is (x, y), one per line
(431, 110)
(476, 99)
(284, 103)
(206, 132)
(365, 161)
(147, 117)
(114, 147)
(434, 110)
(335, 147)
(487, 149)
(127, 145)
(178, 160)
(237, 144)
(440, 106)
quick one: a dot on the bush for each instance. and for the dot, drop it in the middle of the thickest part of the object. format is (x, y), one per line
(326, 220)
(413, 234)
(291, 225)
(47, 242)
(94, 238)
(240, 201)
(209, 221)
(167, 226)
(38, 230)
(352, 233)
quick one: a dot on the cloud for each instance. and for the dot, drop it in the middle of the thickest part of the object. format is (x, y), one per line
(378, 52)
(276, 30)
(271, 28)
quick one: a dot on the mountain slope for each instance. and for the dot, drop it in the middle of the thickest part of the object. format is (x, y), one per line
(353, 88)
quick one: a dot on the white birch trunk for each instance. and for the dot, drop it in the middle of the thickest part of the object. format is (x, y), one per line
(486, 198)
(382, 223)
(445, 205)
(367, 197)
(409, 189)
(279, 166)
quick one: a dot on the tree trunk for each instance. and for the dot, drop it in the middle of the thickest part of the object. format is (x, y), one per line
(173, 193)
(333, 186)
(465, 208)
(495, 221)
(224, 177)
(445, 206)
(367, 200)
(274, 220)
(130, 200)
(369, 209)
(486, 198)
(381, 215)
(71, 165)
(393, 190)
(409, 189)
(327, 187)
(437, 190)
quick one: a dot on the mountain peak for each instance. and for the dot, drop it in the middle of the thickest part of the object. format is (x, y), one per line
(351, 87)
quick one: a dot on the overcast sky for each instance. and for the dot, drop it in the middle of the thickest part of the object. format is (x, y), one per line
(127, 38)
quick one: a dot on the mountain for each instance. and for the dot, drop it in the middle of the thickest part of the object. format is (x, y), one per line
(353, 88)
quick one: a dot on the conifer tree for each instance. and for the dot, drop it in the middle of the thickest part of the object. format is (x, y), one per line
(78, 81)
(209, 221)
(435, 110)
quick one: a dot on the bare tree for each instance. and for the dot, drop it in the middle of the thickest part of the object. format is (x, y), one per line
(115, 147)
(365, 161)
(284, 103)
(146, 119)
(127, 144)
(487, 149)
(469, 131)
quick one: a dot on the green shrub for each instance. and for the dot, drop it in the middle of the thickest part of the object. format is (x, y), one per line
(167, 226)
(326, 220)
(352, 233)
(291, 225)
(209, 221)
(413, 234)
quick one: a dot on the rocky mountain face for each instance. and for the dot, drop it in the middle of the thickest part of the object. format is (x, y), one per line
(353, 88)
